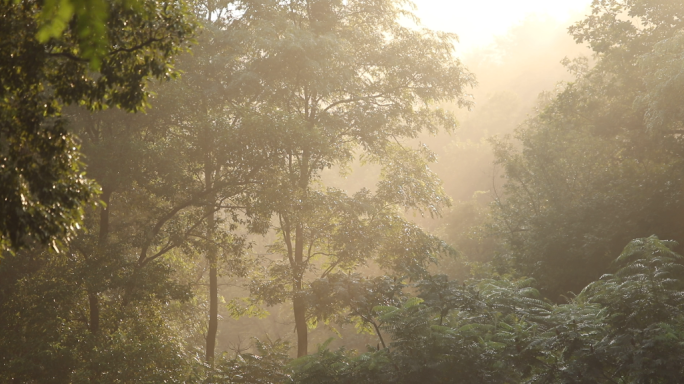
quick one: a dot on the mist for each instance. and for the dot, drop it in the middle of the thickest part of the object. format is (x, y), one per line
(327, 191)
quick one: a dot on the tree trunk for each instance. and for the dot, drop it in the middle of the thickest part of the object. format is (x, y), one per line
(211, 253)
(93, 299)
(300, 323)
(213, 295)
(298, 304)
(94, 305)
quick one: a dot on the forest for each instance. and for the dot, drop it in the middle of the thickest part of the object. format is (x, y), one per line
(326, 191)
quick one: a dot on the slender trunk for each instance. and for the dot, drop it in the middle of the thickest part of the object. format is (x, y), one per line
(300, 323)
(212, 328)
(213, 295)
(93, 299)
(377, 331)
(211, 253)
(298, 304)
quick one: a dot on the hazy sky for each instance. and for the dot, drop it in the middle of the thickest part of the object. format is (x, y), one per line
(477, 21)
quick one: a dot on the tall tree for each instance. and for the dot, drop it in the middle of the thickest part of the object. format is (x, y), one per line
(602, 162)
(228, 151)
(174, 181)
(43, 189)
(336, 79)
(109, 307)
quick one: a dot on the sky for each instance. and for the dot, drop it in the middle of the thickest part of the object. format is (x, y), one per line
(477, 22)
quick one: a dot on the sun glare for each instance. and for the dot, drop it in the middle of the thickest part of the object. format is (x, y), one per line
(478, 22)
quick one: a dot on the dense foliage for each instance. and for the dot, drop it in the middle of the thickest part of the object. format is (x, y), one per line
(601, 163)
(43, 189)
(623, 328)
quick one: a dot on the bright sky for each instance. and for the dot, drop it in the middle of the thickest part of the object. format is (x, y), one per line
(476, 22)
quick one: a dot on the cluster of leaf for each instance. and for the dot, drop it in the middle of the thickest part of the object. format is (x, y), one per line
(624, 328)
(269, 364)
(601, 162)
(43, 189)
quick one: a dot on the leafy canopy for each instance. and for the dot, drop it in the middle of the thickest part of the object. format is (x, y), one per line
(43, 189)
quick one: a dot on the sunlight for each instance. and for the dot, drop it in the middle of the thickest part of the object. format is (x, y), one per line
(478, 22)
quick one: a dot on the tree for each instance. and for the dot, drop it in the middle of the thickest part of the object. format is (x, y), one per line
(191, 180)
(43, 189)
(600, 163)
(128, 278)
(109, 300)
(336, 79)
(228, 149)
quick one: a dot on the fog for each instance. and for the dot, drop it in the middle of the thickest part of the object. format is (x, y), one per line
(341, 191)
